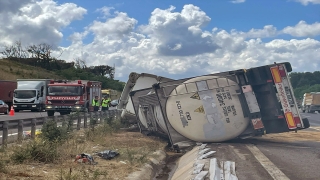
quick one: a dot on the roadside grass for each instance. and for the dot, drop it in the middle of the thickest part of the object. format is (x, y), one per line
(11, 70)
(54, 159)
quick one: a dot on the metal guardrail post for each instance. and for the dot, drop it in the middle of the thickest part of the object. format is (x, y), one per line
(101, 116)
(55, 119)
(33, 128)
(5, 132)
(79, 121)
(85, 118)
(91, 119)
(64, 121)
(20, 130)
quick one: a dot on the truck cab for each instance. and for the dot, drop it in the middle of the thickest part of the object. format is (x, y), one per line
(71, 96)
(30, 95)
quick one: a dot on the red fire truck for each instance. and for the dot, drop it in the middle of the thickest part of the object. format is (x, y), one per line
(69, 96)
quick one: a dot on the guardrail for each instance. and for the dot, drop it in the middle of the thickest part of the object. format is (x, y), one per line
(5, 126)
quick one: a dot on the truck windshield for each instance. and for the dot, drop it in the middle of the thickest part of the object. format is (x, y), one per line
(25, 94)
(64, 90)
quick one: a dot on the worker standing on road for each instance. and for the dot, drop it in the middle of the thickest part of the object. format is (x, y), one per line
(95, 103)
(105, 103)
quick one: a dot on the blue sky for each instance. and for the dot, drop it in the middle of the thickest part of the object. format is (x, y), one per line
(223, 13)
(147, 36)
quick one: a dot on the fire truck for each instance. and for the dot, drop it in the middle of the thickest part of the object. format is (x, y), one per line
(71, 96)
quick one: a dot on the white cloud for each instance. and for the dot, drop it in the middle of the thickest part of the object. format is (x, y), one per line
(302, 29)
(174, 44)
(36, 21)
(106, 11)
(238, 1)
(306, 2)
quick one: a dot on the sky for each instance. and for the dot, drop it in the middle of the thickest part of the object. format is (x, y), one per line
(170, 38)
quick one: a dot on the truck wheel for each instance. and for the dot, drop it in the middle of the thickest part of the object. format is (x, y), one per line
(306, 122)
(40, 109)
(7, 111)
(50, 113)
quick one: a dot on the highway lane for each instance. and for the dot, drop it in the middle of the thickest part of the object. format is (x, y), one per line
(284, 156)
(24, 115)
(314, 118)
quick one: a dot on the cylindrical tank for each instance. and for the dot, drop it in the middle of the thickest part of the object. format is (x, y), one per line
(212, 113)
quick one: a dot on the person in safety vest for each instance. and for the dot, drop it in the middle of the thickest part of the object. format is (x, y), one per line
(105, 103)
(95, 103)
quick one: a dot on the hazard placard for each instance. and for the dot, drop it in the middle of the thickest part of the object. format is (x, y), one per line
(195, 96)
(199, 110)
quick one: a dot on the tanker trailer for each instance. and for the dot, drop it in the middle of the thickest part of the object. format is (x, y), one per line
(223, 106)
(135, 82)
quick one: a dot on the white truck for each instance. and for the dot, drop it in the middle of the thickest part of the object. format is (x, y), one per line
(30, 94)
(220, 107)
(311, 102)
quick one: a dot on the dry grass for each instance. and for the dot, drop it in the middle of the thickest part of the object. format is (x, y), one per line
(134, 149)
(10, 70)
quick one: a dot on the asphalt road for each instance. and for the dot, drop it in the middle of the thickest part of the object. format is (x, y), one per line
(285, 156)
(24, 115)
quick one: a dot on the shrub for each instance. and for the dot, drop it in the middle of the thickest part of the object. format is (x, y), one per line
(41, 151)
(51, 132)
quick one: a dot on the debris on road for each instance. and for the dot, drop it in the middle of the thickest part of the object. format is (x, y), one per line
(193, 166)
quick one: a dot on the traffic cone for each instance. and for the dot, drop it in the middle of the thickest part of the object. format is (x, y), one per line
(11, 111)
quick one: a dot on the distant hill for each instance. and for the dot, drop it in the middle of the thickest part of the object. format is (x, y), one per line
(11, 70)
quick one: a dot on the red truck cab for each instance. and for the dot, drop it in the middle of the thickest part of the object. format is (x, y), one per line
(71, 96)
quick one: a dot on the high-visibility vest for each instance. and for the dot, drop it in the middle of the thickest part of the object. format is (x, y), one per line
(105, 102)
(95, 102)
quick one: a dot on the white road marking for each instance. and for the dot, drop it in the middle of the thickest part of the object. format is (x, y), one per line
(315, 128)
(272, 169)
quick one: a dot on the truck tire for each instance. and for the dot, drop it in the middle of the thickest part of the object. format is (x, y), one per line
(7, 111)
(50, 113)
(306, 122)
(40, 109)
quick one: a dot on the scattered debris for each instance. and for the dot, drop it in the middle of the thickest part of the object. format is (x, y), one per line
(84, 158)
(107, 154)
(27, 134)
(209, 154)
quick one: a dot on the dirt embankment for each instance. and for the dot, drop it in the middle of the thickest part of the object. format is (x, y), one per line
(135, 151)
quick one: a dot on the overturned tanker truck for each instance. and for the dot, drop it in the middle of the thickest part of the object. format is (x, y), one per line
(217, 107)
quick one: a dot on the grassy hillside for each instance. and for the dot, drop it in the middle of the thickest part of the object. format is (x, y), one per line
(11, 70)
